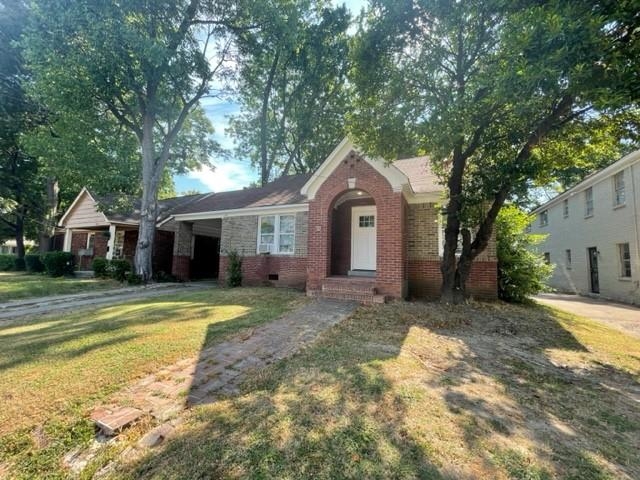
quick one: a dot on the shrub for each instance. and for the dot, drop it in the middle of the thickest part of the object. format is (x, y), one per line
(33, 263)
(118, 269)
(7, 262)
(234, 269)
(18, 264)
(134, 279)
(521, 271)
(100, 267)
(57, 264)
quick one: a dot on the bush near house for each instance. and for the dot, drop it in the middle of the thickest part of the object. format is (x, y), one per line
(116, 269)
(57, 264)
(100, 267)
(234, 270)
(7, 263)
(521, 272)
(33, 263)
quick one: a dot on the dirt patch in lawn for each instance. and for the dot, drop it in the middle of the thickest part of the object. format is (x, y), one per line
(426, 391)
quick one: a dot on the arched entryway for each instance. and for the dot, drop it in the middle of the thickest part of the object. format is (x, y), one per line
(354, 234)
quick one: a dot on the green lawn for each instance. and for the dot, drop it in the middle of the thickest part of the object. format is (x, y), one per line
(14, 286)
(422, 391)
(54, 370)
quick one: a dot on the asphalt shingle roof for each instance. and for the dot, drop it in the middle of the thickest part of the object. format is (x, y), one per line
(283, 191)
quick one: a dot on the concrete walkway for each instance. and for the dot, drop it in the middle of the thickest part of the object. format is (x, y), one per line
(622, 317)
(53, 304)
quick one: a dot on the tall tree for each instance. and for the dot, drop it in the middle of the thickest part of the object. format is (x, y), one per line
(292, 75)
(479, 86)
(145, 63)
(20, 195)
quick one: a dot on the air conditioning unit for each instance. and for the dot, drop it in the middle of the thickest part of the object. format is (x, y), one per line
(264, 248)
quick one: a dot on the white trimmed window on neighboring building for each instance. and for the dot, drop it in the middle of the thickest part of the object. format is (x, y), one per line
(588, 202)
(625, 260)
(567, 258)
(618, 189)
(565, 208)
(544, 218)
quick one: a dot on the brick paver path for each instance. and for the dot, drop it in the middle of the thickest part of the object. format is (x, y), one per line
(220, 368)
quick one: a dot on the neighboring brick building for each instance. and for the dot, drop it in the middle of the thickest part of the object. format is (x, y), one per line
(593, 233)
(356, 228)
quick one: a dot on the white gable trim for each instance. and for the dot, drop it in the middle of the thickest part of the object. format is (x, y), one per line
(84, 191)
(394, 176)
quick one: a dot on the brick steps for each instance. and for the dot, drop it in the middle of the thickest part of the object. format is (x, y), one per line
(349, 288)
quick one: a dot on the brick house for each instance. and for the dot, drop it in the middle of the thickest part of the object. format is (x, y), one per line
(356, 228)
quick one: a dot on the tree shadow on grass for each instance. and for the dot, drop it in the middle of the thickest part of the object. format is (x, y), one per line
(577, 417)
(325, 413)
(341, 410)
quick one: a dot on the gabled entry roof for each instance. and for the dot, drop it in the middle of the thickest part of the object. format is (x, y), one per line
(413, 176)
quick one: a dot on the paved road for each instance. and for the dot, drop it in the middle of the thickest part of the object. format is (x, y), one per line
(617, 315)
(30, 307)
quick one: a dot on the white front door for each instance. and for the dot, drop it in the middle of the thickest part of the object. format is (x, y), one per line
(363, 238)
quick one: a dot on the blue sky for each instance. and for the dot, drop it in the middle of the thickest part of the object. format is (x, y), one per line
(234, 173)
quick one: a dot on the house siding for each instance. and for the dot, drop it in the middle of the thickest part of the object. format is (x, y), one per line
(85, 214)
(605, 229)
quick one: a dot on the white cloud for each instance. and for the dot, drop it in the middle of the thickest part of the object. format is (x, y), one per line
(225, 176)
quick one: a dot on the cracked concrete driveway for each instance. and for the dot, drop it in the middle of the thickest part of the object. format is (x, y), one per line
(617, 315)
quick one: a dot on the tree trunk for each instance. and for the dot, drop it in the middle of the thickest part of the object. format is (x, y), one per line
(19, 234)
(151, 173)
(265, 163)
(49, 218)
(450, 291)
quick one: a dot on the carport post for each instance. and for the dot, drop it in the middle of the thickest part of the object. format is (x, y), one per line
(112, 241)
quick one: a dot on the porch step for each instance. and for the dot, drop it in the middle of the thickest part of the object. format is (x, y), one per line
(348, 284)
(361, 290)
(364, 298)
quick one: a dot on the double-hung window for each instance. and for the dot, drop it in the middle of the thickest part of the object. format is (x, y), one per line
(618, 189)
(625, 260)
(544, 218)
(588, 202)
(276, 234)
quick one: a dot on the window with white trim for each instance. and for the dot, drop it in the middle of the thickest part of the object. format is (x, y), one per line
(625, 260)
(618, 189)
(565, 208)
(276, 234)
(567, 258)
(544, 218)
(588, 202)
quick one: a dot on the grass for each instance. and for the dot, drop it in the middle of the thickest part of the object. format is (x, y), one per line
(423, 391)
(15, 286)
(54, 370)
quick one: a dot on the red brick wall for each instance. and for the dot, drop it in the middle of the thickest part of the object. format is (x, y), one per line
(390, 262)
(79, 242)
(163, 252)
(425, 279)
(291, 271)
(129, 246)
(180, 266)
